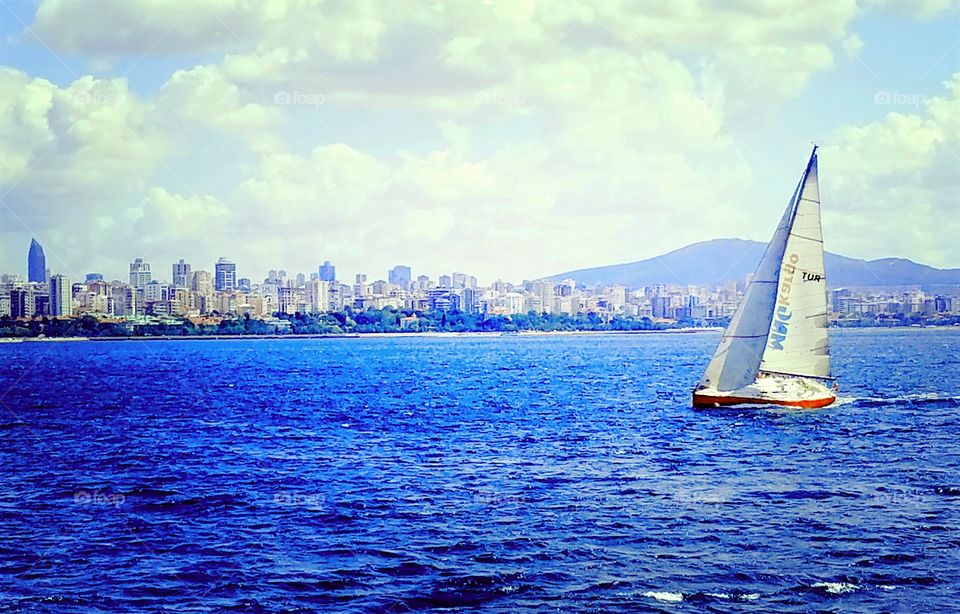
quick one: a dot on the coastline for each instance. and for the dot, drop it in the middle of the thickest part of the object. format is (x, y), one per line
(391, 335)
(435, 334)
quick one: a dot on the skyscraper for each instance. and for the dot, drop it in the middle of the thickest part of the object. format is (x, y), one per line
(36, 263)
(401, 276)
(61, 296)
(225, 273)
(140, 274)
(181, 274)
(328, 272)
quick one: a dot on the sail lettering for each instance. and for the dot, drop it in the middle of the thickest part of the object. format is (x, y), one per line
(779, 329)
(812, 276)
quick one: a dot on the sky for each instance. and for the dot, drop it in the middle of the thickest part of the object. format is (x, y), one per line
(508, 139)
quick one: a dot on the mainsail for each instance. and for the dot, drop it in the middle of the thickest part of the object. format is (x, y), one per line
(749, 339)
(798, 331)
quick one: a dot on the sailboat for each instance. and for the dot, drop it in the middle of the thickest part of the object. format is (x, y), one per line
(775, 350)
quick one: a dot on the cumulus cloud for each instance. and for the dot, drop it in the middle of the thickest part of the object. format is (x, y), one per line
(64, 149)
(894, 187)
(521, 137)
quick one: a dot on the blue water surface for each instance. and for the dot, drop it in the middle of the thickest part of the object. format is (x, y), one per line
(501, 474)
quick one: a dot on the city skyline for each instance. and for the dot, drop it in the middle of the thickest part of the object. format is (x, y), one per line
(196, 295)
(508, 139)
(324, 270)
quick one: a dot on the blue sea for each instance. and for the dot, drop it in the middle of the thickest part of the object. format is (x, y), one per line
(501, 474)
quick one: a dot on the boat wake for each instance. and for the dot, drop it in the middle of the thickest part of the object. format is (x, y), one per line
(917, 400)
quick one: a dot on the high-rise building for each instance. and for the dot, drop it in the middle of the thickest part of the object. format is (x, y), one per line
(91, 277)
(445, 281)
(140, 274)
(36, 264)
(181, 274)
(22, 303)
(61, 296)
(400, 275)
(328, 272)
(202, 283)
(287, 300)
(301, 280)
(462, 280)
(225, 275)
(156, 291)
(318, 295)
(471, 300)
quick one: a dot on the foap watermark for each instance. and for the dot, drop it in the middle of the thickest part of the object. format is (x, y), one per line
(491, 498)
(99, 98)
(703, 496)
(714, 100)
(304, 99)
(902, 99)
(908, 498)
(294, 499)
(499, 98)
(98, 497)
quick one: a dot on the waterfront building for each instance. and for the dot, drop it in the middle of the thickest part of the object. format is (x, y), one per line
(181, 274)
(287, 300)
(140, 274)
(22, 303)
(318, 296)
(61, 296)
(156, 291)
(36, 263)
(225, 275)
(202, 283)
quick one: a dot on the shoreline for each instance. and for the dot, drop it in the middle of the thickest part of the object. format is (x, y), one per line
(391, 335)
(422, 335)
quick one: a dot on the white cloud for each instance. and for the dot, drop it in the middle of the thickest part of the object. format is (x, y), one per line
(73, 144)
(570, 133)
(894, 183)
(923, 9)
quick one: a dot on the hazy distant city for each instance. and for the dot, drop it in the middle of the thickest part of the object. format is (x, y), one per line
(210, 297)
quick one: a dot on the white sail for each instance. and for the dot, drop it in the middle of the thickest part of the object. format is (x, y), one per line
(797, 344)
(736, 362)
(743, 350)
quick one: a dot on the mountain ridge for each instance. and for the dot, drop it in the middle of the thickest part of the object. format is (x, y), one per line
(719, 261)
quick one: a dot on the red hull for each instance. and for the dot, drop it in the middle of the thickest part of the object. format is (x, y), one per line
(704, 400)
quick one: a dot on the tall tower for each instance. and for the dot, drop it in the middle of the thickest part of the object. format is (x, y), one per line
(36, 263)
(225, 275)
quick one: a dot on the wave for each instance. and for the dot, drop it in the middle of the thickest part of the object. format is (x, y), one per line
(665, 596)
